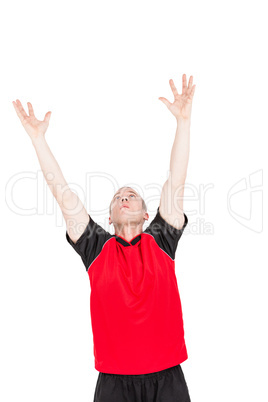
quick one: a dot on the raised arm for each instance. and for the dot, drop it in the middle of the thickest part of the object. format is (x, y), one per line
(75, 214)
(171, 202)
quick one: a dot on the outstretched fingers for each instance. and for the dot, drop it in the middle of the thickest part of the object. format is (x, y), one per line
(184, 84)
(30, 109)
(187, 90)
(191, 94)
(165, 101)
(47, 116)
(173, 88)
(19, 110)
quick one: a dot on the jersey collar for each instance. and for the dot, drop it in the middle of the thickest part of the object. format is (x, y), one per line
(125, 243)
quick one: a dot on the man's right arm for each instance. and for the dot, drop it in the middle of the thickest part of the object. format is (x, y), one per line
(74, 212)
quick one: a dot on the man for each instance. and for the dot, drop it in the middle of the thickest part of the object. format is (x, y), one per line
(135, 305)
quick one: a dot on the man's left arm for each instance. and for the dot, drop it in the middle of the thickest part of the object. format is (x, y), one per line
(171, 202)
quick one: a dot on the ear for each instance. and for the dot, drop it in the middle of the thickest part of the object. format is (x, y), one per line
(146, 216)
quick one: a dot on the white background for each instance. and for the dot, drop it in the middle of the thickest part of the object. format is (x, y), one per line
(100, 68)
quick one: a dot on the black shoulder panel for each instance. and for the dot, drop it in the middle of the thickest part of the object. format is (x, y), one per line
(90, 243)
(165, 235)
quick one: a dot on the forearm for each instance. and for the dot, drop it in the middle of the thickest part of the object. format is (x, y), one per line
(51, 170)
(180, 153)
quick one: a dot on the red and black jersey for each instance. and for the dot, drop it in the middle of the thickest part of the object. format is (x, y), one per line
(135, 306)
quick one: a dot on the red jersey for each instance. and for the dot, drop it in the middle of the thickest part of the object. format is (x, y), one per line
(135, 306)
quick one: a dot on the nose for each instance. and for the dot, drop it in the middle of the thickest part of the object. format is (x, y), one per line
(124, 198)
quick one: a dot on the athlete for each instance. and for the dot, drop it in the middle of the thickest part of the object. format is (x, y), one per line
(135, 306)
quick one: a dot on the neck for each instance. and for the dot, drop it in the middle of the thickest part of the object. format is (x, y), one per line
(128, 231)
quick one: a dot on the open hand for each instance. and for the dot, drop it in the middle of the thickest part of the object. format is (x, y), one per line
(33, 127)
(182, 106)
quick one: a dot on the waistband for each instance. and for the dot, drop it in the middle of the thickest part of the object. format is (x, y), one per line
(143, 376)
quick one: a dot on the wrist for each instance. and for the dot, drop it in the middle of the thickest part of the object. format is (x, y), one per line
(183, 122)
(38, 140)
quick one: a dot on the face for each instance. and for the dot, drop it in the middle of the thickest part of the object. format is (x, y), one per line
(126, 207)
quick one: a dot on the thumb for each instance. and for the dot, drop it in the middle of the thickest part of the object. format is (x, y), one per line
(165, 101)
(47, 117)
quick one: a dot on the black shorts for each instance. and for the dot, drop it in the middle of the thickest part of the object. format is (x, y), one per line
(167, 385)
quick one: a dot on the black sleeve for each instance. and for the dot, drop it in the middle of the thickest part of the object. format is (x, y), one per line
(165, 235)
(90, 243)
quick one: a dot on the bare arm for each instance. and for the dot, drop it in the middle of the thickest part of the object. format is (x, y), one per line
(171, 203)
(51, 170)
(180, 153)
(75, 214)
